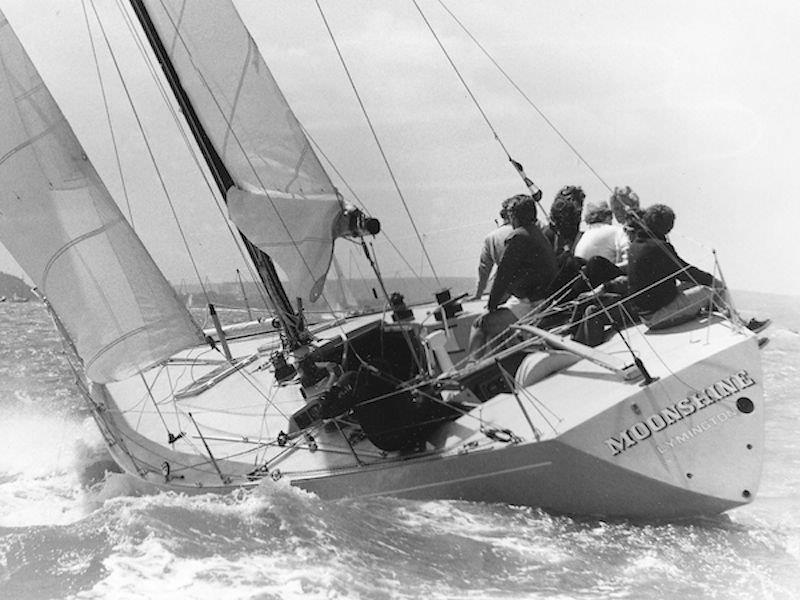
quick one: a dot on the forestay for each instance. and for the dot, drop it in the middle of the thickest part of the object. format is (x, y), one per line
(282, 199)
(62, 226)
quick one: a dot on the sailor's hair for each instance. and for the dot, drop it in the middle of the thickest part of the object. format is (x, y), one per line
(633, 221)
(565, 216)
(573, 193)
(659, 219)
(624, 195)
(522, 207)
(597, 213)
(504, 207)
(622, 200)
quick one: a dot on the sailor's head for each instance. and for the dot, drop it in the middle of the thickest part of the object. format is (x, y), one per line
(659, 219)
(572, 193)
(565, 216)
(521, 210)
(621, 201)
(504, 209)
(634, 223)
(598, 212)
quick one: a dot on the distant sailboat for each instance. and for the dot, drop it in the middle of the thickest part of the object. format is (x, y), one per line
(372, 404)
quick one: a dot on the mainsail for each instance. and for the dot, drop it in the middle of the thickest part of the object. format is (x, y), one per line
(61, 225)
(281, 200)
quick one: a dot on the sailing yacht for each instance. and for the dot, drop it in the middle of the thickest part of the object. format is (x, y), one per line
(656, 424)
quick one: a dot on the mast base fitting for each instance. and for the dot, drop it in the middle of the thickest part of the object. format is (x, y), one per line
(283, 370)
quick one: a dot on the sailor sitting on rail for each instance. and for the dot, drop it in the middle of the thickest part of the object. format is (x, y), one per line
(602, 275)
(563, 228)
(526, 272)
(563, 232)
(653, 268)
(600, 236)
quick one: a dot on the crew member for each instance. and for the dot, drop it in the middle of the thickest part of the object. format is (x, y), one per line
(494, 244)
(526, 272)
(654, 268)
(600, 236)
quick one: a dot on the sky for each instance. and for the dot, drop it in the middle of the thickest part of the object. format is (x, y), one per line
(691, 103)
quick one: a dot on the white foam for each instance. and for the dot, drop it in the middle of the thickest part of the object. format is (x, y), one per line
(41, 468)
(473, 523)
(150, 569)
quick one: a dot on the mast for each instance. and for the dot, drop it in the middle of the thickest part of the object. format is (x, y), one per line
(290, 319)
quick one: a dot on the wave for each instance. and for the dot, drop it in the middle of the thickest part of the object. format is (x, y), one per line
(278, 542)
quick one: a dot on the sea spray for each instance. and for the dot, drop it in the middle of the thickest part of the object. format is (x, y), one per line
(48, 463)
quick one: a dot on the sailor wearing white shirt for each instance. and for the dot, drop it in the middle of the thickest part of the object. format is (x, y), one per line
(600, 238)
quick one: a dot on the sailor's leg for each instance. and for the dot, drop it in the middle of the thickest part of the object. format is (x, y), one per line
(684, 307)
(486, 330)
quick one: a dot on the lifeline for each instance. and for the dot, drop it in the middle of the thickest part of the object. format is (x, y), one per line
(672, 414)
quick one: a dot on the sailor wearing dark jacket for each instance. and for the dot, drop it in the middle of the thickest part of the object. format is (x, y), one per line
(654, 269)
(526, 272)
(528, 266)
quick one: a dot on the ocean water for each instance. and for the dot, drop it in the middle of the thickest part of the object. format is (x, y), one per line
(71, 526)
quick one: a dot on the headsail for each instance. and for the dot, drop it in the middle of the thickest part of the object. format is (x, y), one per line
(61, 225)
(282, 199)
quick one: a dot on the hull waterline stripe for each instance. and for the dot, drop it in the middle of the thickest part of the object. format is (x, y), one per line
(441, 483)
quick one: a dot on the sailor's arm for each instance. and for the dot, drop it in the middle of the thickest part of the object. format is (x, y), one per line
(485, 265)
(506, 271)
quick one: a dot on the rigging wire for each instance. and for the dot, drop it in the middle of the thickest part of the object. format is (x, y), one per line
(108, 114)
(149, 148)
(192, 153)
(358, 199)
(230, 131)
(377, 142)
(462, 80)
(525, 96)
(535, 192)
(541, 113)
(155, 404)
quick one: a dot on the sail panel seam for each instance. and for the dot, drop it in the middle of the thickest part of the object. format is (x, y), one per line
(71, 244)
(30, 141)
(124, 337)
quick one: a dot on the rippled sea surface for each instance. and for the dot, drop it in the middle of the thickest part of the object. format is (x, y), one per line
(71, 526)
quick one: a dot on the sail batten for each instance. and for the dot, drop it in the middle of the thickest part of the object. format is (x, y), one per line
(66, 232)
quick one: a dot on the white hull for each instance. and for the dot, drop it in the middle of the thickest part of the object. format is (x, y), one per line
(599, 445)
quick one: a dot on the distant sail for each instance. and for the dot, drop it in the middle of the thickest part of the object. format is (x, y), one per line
(61, 225)
(283, 200)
